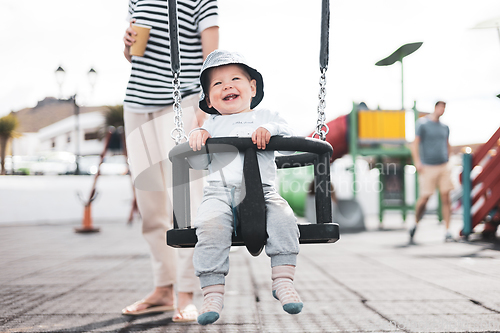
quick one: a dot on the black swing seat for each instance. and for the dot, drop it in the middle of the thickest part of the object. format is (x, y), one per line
(251, 211)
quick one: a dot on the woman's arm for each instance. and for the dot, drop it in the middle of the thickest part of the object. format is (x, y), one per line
(209, 40)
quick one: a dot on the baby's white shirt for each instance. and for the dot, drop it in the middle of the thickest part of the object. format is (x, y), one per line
(240, 125)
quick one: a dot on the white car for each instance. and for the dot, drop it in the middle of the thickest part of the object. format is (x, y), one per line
(54, 163)
(114, 165)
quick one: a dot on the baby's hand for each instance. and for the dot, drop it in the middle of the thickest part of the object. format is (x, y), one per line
(261, 137)
(198, 138)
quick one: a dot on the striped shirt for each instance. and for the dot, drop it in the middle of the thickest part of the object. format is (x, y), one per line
(150, 83)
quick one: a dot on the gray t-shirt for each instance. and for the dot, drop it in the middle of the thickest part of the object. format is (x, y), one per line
(433, 146)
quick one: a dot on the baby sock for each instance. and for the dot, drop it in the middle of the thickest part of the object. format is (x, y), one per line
(283, 289)
(213, 299)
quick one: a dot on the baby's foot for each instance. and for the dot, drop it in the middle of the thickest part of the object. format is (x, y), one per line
(213, 299)
(284, 291)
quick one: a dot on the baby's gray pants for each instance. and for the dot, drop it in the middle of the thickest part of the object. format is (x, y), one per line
(214, 228)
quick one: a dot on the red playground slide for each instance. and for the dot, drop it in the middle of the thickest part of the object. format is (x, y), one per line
(338, 136)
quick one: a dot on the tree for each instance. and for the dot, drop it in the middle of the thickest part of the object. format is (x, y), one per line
(8, 125)
(114, 118)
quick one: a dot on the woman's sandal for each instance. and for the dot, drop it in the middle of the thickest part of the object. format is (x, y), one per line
(188, 314)
(131, 310)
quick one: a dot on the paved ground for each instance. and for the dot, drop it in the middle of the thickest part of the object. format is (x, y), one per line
(54, 280)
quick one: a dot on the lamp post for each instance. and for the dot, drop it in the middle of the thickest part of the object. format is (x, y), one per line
(60, 73)
(398, 55)
(92, 75)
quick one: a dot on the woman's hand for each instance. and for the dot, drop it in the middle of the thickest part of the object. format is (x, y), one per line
(128, 40)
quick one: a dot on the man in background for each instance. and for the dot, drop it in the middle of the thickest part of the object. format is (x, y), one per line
(430, 152)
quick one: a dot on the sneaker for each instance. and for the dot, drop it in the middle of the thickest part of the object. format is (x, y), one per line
(448, 237)
(412, 232)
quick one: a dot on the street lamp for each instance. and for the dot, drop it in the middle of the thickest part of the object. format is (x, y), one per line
(60, 73)
(92, 76)
(398, 55)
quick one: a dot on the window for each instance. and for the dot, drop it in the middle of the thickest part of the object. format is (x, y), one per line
(91, 136)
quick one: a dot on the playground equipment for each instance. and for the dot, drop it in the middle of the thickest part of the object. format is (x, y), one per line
(251, 211)
(398, 56)
(346, 212)
(481, 194)
(297, 187)
(381, 134)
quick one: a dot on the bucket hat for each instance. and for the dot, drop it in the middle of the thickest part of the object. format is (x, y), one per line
(220, 58)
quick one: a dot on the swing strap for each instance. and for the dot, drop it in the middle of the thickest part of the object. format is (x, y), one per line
(321, 127)
(175, 62)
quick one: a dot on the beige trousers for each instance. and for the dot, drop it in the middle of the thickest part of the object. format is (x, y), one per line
(148, 143)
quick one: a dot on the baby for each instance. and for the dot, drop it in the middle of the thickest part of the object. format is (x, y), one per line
(231, 91)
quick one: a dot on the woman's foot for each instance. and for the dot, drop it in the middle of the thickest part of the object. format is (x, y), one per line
(186, 311)
(185, 315)
(160, 300)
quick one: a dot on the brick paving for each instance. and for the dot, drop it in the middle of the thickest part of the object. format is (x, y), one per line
(54, 280)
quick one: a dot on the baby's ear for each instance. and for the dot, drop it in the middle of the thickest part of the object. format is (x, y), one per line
(208, 102)
(253, 86)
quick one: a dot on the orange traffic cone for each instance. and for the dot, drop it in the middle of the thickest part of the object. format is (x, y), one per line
(87, 226)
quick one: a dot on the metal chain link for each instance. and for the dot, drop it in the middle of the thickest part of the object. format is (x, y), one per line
(321, 127)
(178, 132)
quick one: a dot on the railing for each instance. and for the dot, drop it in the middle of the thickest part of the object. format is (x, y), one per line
(486, 185)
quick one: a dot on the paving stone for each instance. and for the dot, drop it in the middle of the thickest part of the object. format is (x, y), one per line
(447, 323)
(323, 321)
(67, 323)
(437, 307)
(86, 302)
(397, 294)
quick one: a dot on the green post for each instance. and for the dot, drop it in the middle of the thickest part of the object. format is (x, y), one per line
(353, 144)
(440, 208)
(415, 113)
(381, 178)
(398, 55)
(466, 197)
(403, 204)
(402, 87)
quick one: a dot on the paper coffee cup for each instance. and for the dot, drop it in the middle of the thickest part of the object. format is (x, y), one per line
(141, 39)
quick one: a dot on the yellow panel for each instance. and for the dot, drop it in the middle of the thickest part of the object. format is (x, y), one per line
(364, 123)
(371, 125)
(381, 125)
(391, 129)
(379, 131)
(402, 125)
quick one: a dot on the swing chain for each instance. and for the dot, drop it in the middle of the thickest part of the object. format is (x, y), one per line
(178, 132)
(321, 127)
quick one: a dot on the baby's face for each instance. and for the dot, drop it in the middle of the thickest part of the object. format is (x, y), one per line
(230, 89)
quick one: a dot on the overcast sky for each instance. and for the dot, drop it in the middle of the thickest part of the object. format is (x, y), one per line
(280, 38)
